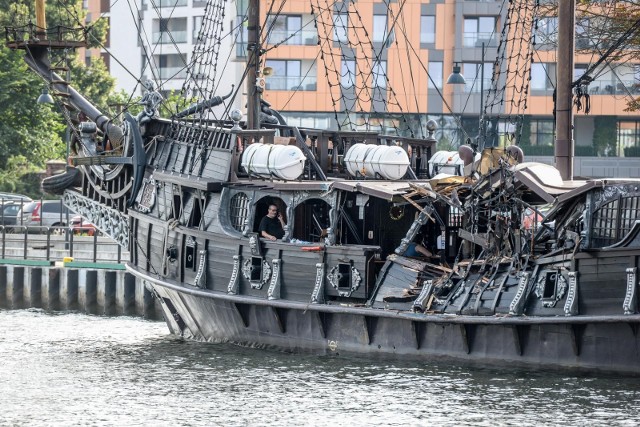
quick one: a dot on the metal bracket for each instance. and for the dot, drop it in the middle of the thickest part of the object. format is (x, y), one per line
(630, 303)
(233, 281)
(317, 297)
(274, 287)
(517, 305)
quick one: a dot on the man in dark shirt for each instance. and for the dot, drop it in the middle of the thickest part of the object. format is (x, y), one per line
(272, 225)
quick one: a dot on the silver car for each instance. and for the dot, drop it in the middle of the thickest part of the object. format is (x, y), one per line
(45, 213)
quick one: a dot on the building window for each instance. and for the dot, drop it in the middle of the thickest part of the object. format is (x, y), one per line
(288, 75)
(542, 132)
(427, 29)
(197, 25)
(170, 30)
(341, 28)
(546, 33)
(478, 30)
(284, 28)
(629, 138)
(171, 3)
(171, 66)
(435, 74)
(543, 76)
(380, 28)
(379, 72)
(582, 33)
(472, 74)
(348, 73)
(238, 211)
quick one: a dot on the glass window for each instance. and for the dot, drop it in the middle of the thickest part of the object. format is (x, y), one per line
(472, 74)
(341, 28)
(197, 24)
(478, 29)
(582, 33)
(284, 28)
(427, 29)
(171, 65)
(546, 35)
(435, 72)
(542, 132)
(628, 137)
(379, 72)
(379, 28)
(170, 30)
(348, 73)
(543, 76)
(288, 75)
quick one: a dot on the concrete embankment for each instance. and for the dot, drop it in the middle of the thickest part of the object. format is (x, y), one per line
(94, 281)
(100, 291)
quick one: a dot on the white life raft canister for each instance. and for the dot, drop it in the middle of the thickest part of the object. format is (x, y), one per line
(267, 160)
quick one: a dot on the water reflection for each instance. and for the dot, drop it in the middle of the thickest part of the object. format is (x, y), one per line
(74, 369)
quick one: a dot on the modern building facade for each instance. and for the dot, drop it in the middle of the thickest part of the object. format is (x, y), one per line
(440, 33)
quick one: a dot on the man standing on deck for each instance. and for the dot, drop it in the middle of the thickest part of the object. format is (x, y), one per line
(272, 225)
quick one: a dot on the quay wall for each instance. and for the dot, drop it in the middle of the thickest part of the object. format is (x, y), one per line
(98, 290)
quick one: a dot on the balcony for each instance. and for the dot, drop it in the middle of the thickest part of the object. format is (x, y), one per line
(169, 37)
(290, 83)
(172, 3)
(606, 87)
(296, 38)
(477, 39)
(167, 73)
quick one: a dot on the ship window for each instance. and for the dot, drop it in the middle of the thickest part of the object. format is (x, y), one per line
(614, 220)
(311, 220)
(344, 277)
(196, 212)
(549, 285)
(256, 269)
(177, 203)
(239, 210)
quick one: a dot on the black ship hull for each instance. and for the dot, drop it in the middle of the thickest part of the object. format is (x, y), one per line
(580, 343)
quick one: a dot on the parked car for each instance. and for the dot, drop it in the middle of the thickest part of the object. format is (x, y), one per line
(11, 197)
(45, 213)
(9, 213)
(80, 226)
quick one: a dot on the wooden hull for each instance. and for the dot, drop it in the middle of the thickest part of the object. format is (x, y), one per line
(578, 343)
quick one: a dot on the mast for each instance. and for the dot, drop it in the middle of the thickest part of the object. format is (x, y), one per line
(564, 115)
(41, 20)
(254, 48)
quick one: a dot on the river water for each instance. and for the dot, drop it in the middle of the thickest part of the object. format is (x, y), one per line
(71, 369)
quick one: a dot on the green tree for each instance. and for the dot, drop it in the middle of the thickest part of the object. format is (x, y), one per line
(31, 134)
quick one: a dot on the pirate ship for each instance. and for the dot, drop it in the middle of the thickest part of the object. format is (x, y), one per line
(528, 268)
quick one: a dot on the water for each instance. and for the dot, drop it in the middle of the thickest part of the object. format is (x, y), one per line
(71, 369)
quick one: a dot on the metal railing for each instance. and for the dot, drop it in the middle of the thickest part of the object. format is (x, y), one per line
(57, 243)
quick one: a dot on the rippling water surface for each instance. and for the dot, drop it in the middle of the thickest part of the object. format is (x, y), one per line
(71, 369)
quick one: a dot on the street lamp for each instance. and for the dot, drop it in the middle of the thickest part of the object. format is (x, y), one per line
(456, 78)
(45, 97)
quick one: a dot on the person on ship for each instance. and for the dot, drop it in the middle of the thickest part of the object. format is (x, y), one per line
(272, 225)
(417, 248)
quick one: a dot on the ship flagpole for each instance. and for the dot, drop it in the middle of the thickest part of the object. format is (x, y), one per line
(564, 146)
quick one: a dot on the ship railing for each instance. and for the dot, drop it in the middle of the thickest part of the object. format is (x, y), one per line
(57, 244)
(54, 37)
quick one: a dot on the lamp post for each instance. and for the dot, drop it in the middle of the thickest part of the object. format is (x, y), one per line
(456, 78)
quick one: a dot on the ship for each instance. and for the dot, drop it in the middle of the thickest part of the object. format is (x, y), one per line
(522, 266)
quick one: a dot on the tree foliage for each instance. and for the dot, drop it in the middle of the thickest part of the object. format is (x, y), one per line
(31, 134)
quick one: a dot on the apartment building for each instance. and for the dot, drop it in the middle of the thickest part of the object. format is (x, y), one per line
(156, 42)
(445, 33)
